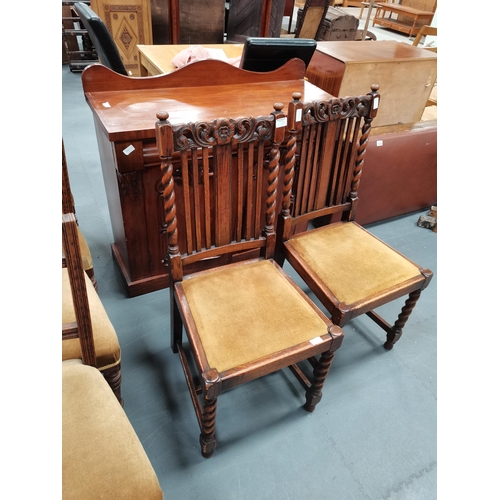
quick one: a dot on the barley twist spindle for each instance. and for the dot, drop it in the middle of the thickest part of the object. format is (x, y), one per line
(291, 147)
(397, 330)
(313, 396)
(165, 148)
(207, 421)
(274, 158)
(358, 168)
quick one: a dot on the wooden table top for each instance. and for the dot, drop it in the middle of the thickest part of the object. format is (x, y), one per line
(157, 59)
(368, 51)
(126, 107)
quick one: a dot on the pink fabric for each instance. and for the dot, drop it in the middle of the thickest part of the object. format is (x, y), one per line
(198, 53)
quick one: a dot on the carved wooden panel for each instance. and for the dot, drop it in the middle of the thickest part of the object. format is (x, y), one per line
(129, 22)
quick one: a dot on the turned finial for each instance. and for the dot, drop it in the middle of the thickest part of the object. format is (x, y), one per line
(162, 115)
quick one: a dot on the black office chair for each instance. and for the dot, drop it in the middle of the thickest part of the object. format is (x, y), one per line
(101, 38)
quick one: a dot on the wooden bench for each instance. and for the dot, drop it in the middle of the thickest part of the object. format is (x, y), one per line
(407, 17)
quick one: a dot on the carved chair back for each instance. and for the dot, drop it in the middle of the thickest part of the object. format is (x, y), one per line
(228, 174)
(324, 157)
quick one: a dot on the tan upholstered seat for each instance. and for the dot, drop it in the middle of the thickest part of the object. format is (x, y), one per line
(102, 456)
(351, 262)
(268, 314)
(87, 263)
(85, 251)
(107, 347)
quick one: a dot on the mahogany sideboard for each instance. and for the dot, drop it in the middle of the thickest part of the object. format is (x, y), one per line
(124, 111)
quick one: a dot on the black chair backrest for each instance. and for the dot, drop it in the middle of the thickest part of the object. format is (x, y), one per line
(268, 54)
(101, 38)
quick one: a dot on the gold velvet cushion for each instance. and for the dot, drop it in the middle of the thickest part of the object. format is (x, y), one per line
(106, 342)
(102, 456)
(84, 251)
(248, 311)
(351, 262)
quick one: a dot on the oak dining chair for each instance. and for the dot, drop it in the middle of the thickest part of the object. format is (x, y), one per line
(349, 270)
(243, 317)
(102, 457)
(107, 346)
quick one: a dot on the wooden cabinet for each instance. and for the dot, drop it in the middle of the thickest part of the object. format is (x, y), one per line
(399, 173)
(129, 22)
(405, 74)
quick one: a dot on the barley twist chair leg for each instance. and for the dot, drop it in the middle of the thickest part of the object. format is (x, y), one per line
(313, 394)
(211, 389)
(397, 330)
(207, 436)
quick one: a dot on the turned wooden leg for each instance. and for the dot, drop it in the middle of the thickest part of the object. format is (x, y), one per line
(207, 436)
(207, 424)
(313, 394)
(397, 330)
(113, 377)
